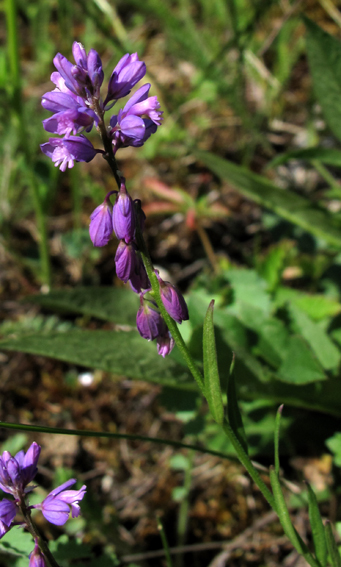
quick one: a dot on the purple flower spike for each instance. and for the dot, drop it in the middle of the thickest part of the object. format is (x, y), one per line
(101, 228)
(128, 71)
(37, 557)
(125, 260)
(65, 151)
(165, 344)
(123, 215)
(149, 321)
(56, 506)
(173, 301)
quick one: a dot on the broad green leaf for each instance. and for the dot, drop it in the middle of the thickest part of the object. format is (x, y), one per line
(17, 542)
(211, 373)
(123, 354)
(108, 303)
(334, 445)
(316, 306)
(326, 351)
(248, 287)
(272, 266)
(332, 547)
(300, 365)
(317, 528)
(233, 411)
(285, 203)
(329, 156)
(324, 56)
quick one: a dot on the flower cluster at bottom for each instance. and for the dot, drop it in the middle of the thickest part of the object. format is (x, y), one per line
(15, 475)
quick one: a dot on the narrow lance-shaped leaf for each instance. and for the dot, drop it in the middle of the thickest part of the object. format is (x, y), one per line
(284, 517)
(211, 373)
(233, 412)
(332, 547)
(277, 428)
(324, 56)
(317, 529)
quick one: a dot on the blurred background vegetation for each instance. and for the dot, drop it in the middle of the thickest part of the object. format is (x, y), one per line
(242, 193)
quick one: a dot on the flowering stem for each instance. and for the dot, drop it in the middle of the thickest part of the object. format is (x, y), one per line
(32, 528)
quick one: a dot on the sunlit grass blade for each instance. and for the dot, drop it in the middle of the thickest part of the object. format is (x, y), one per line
(211, 372)
(164, 543)
(317, 529)
(332, 547)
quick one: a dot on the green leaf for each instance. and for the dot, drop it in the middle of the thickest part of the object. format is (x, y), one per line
(285, 203)
(121, 353)
(329, 156)
(332, 547)
(334, 445)
(108, 303)
(17, 542)
(316, 306)
(233, 411)
(317, 529)
(250, 288)
(326, 351)
(277, 430)
(324, 56)
(284, 516)
(211, 373)
(299, 365)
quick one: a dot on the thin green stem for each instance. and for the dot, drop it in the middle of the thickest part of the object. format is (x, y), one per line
(184, 508)
(103, 434)
(247, 463)
(164, 543)
(32, 528)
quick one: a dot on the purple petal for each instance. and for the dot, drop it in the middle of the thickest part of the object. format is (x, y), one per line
(101, 226)
(79, 54)
(55, 511)
(8, 511)
(141, 94)
(133, 127)
(57, 101)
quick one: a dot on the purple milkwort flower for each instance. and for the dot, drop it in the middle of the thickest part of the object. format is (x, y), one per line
(123, 215)
(139, 279)
(173, 301)
(101, 227)
(85, 78)
(65, 151)
(149, 321)
(125, 260)
(165, 344)
(71, 121)
(8, 511)
(17, 472)
(37, 557)
(128, 71)
(128, 126)
(56, 506)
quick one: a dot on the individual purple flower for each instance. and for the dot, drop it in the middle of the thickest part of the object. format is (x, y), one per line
(165, 344)
(37, 558)
(85, 78)
(125, 260)
(128, 126)
(123, 215)
(71, 121)
(173, 301)
(128, 71)
(56, 506)
(149, 321)
(18, 471)
(139, 280)
(65, 151)
(8, 510)
(101, 227)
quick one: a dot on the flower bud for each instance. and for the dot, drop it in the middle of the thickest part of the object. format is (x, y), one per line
(125, 260)
(139, 280)
(173, 301)
(37, 558)
(101, 228)
(123, 216)
(149, 321)
(165, 344)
